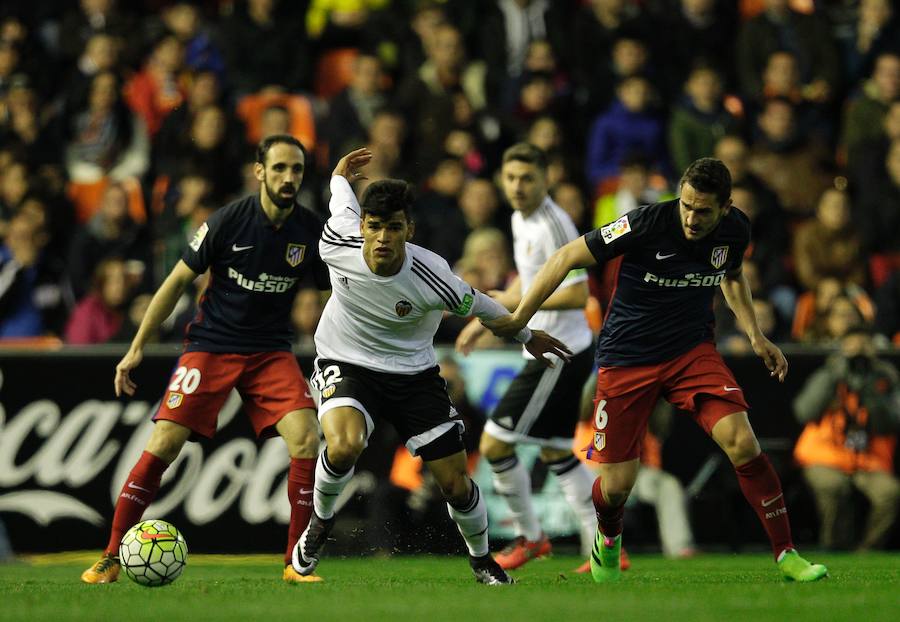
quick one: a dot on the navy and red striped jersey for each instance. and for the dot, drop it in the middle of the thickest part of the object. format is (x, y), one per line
(255, 272)
(662, 303)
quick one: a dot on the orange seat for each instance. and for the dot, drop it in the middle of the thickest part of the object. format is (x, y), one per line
(334, 70)
(86, 197)
(250, 109)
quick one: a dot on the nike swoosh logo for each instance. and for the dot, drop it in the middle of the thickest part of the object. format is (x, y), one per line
(156, 536)
(136, 487)
(766, 503)
(659, 256)
(306, 491)
(238, 249)
(732, 388)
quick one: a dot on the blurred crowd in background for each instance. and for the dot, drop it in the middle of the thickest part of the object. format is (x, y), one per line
(124, 125)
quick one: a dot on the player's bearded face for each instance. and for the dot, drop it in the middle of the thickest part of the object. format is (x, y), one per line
(384, 242)
(700, 212)
(283, 194)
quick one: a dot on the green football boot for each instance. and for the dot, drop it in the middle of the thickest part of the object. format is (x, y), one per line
(605, 558)
(795, 568)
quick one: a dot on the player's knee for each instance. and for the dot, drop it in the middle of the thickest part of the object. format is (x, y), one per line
(455, 488)
(305, 445)
(167, 440)
(742, 448)
(493, 448)
(344, 451)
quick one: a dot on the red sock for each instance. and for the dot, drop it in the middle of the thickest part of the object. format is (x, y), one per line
(609, 517)
(301, 478)
(138, 492)
(762, 488)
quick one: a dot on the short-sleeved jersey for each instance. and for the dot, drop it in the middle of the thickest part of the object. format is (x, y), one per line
(255, 271)
(535, 239)
(662, 304)
(383, 323)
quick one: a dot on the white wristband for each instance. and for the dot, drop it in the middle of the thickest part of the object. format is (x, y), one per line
(524, 335)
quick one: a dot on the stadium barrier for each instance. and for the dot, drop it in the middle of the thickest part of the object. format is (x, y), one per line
(67, 444)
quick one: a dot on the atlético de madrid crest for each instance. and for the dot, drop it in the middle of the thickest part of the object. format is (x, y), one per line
(719, 256)
(295, 253)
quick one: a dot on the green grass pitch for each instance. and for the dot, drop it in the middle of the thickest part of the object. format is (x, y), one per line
(862, 588)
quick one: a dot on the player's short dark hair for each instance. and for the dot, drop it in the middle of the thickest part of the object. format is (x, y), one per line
(386, 196)
(267, 143)
(708, 175)
(528, 153)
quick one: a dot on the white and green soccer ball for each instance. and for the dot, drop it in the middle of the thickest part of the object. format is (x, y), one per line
(153, 553)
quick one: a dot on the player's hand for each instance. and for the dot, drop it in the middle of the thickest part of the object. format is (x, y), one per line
(348, 166)
(772, 356)
(468, 337)
(541, 343)
(123, 382)
(506, 326)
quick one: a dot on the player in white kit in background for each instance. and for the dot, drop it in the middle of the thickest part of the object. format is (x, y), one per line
(376, 357)
(542, 404)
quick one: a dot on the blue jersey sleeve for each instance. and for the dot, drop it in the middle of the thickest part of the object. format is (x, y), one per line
(621, 235)
(203, 248)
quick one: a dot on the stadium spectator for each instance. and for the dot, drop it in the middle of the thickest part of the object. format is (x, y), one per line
(426, 96)
(865, 163)
(698, 32)
(79, 24)
(876, 30)
(571, 199)
(486, 250)
(829, 245)
(99, 315)
(111, 232)
(633, 370)
(887, 301)
(795, 166)
(31, 299)
(241, 338)
(387, 137)
(158, 88)
(878, 207)
(440, 224)
(351, 112)
(634, 189)
(778, 27)
(699, 119)
(631, 124)
(101, 53)
(261, 36)
(185, 20)
(864, 117)
(104, 138)
(849, 410)
(507, 30)
(480, 205)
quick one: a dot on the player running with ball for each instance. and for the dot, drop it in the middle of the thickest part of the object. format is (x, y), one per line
(376, 358)
(657, 340)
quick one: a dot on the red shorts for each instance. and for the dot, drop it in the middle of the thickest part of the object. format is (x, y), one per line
(270, 384)
(698, 381)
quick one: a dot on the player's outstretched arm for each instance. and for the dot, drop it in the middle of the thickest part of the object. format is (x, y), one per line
(160, 308)
(348, 166)
(575, 254)
(737, 295)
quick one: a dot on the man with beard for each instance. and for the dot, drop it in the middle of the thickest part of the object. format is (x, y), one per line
(260, 250)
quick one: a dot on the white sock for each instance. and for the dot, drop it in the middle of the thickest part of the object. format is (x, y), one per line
(329, 484)
(512, 482)
(472, 522)
(577, 484)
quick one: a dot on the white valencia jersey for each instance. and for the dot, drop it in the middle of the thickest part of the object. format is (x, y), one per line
(535, 238)
(386, 323)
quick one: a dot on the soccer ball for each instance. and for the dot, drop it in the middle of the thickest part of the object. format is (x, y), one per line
(153, 553)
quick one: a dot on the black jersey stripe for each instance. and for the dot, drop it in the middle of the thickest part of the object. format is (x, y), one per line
(334, 234)
(347, 244)
(437, 291)
(437, 281)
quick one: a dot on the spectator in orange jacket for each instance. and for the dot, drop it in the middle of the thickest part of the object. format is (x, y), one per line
(851, 408)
